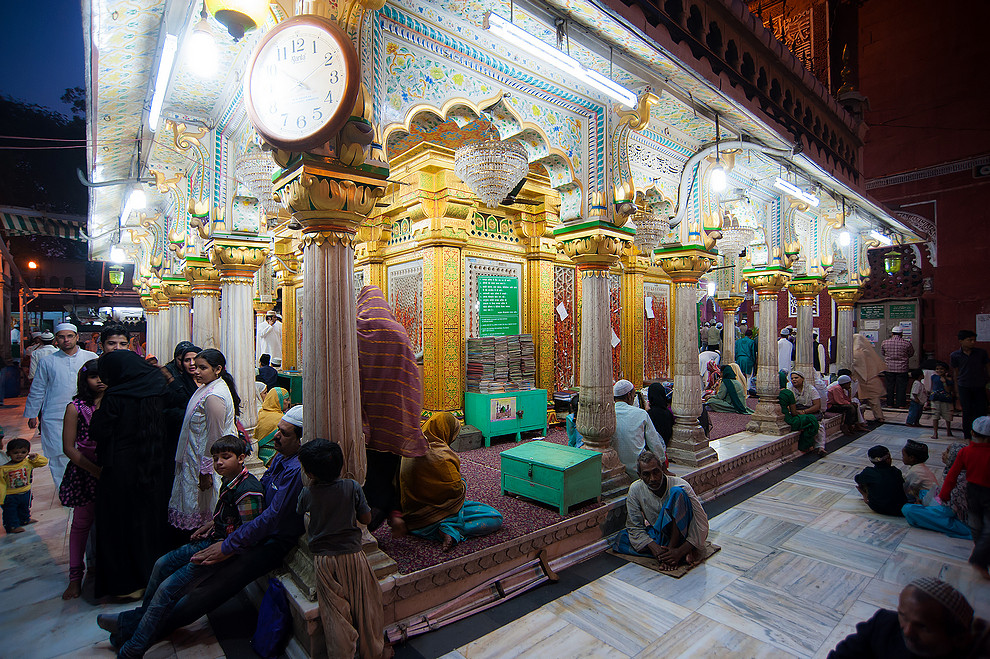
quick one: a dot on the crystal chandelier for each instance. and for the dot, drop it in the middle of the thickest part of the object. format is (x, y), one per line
(254, 170)
(735, 235)
(650, 229)
(491, 168)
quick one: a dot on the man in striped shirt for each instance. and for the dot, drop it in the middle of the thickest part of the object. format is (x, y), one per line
(897, 351)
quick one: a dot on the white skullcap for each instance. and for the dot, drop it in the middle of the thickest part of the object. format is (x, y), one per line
(897, 330)
(785, 332)
(35, 335)
(718, 325)
(621, 388)
(844, 379)
(46, 336)
(981, 425)
(294, 416)
(62, 327)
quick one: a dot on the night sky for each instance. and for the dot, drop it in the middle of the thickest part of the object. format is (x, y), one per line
(41, 52)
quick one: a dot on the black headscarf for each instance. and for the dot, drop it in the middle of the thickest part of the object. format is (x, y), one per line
(131, 407)
(660, 414)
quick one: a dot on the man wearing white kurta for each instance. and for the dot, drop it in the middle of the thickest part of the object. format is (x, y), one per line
(46, 348)
(634, 429)
(269, 338)
(784, 349)
(53, 387)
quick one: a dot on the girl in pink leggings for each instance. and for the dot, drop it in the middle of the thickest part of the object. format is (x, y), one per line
(78, 490)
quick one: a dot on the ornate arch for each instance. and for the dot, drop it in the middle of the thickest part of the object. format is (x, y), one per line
(509, 124)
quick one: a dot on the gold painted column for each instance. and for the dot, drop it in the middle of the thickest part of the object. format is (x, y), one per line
(331, 202)
(633, 315)
(260, 309)
(541, 253)
(288, 273)
(178, 291)
(685, 265)
(845, 301)
(729, 306)
(443, 324)
(805, 290)
(766, 285)
(595, 247)
(204, 285)
(237, 258)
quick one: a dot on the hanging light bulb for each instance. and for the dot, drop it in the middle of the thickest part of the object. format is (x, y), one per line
(202, 48)
(717, 177)
(711, 289)
(844, 239)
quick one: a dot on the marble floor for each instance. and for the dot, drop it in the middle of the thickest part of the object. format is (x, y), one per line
(35, 623)
(801, 563)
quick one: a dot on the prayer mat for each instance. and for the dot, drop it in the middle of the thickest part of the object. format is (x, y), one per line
(651, 563)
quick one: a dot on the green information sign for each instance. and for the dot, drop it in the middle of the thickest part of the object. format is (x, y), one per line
(902, 311)
(872, 312)
(498, 305)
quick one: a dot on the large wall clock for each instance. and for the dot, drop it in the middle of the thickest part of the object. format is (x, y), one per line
(301, 83)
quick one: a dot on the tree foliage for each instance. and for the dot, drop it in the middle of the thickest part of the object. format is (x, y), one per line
(41, 174)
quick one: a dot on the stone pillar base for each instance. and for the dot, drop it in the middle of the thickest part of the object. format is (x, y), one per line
(382, 564)
(689, 445)
(615, 480)
(768, 419)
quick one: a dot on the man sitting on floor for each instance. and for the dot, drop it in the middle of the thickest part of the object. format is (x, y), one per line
(664, 517)
(932, 619)
(882, 485)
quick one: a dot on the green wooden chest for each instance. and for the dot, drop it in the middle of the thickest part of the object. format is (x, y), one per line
(509, 413)
(553, 474)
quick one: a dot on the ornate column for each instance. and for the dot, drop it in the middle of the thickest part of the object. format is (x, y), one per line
(288, 272)
(686, 265)
(766, 285)
(541, 252)
(595, 247)
(633, 314)
(845, 300)
(178, 291)
(261, 307)
(729, 306)
(805, 290)
(204, 284)
(330, 202)
(164, 333)
(236, 258)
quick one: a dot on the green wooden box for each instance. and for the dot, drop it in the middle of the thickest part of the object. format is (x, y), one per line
(509, 413)
(553, 474)
(291, 381)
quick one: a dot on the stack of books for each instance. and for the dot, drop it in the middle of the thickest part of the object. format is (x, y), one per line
(499, 364)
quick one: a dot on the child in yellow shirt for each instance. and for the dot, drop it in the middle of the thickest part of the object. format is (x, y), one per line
(15, 484)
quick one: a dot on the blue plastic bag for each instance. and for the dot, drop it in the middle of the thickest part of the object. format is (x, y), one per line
(274, 622)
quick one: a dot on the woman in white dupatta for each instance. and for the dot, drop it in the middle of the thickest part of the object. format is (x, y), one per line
(210, 414)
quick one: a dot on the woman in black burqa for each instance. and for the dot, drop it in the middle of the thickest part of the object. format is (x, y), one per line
(132, 492)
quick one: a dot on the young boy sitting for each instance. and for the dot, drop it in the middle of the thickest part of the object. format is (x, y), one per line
(919, 476)
(241, 499)
(882, 485)
(349, 597)
(15, 484)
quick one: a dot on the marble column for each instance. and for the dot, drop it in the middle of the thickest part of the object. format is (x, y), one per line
(766, 285)
(685, 265)
(594, 248)
(177, 289)
(729, 306)
(236, 258)
(845, 300)
(805, 290)
(204, 284)
(164, 338)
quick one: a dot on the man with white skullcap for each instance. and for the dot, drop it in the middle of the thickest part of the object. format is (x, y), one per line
(840, 400)
(785, 350)
(932, 619)
(634, 430)
(52, 390)
(896, 352)
(251, 551)
(47, 347)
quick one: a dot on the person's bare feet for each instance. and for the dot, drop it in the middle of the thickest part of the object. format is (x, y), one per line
(19, 529)
(821, 452)
(448, 542)
(72, 591)
(32, 521)
(398, 526)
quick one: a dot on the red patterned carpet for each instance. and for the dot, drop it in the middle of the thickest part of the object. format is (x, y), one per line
(480, 470)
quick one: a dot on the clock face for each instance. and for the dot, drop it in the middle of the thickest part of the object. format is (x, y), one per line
(302, 83)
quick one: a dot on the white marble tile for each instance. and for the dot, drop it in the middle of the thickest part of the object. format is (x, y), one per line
(925, 541)
(772, 616)
(453, 654)
(798, 513)
(700, 637)
(814, 496)
(880, 533)
(690, 591)
(905, 566)
(624, 616)
(836, 550)
(737, 555)
(881, 594)
(859, 612)
(538, 634)
(754, 527)
(809, 579)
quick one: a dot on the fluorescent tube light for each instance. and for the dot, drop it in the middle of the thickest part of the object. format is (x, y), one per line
(550, 55)
(880, 238)
(796, 192)
(161, 80)
(135, 201)
(117, 255)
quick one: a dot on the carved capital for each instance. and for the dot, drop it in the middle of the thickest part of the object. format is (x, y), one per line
(160, 297)
(319, 193)
(237, 258)
(176, 289)
(729, 304)
(767, 281)
(594, 251)
(685, 265)
(148, 304)
(202, 276)
(261, 306)
(806, 289)
(845, 296)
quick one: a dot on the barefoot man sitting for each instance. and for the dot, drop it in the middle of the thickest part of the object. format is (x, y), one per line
(664, 517)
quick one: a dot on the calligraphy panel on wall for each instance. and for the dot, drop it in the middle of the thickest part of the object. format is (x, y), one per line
(490, 272)
(656, 335)
(405, 296)
(615, 313)
(563, 328)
